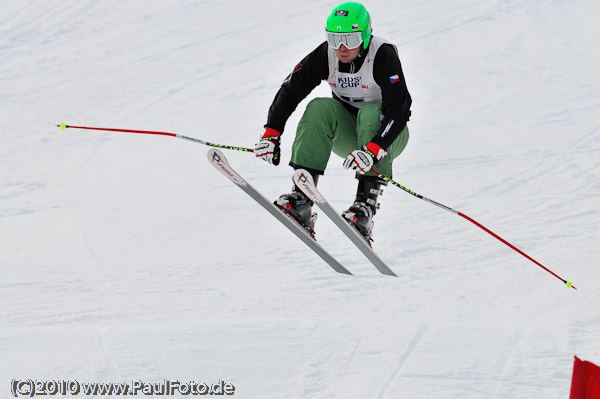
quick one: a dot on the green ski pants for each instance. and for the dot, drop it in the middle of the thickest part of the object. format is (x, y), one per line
(327, 125)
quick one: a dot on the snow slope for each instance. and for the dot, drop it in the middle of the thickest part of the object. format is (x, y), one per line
(128, 257)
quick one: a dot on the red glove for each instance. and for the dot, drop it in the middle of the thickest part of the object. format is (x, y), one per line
(268, 147)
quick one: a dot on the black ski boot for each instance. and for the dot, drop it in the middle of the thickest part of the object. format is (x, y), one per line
(360, 214)
(297, 205)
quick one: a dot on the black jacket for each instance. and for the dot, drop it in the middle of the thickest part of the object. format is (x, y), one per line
(314, 68)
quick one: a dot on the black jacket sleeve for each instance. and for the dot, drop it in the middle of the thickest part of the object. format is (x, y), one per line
(307, 75)
(396, 100)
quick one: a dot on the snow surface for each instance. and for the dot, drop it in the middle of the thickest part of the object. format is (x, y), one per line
(128, 257)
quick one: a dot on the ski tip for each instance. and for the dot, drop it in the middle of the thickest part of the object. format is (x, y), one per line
(303, 176)
(215, 155)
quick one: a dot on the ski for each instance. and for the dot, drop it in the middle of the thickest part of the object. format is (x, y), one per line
(304, 181)
(219, 161)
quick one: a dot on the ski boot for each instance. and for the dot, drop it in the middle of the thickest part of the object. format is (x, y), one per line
(299, 207)
(361, 212)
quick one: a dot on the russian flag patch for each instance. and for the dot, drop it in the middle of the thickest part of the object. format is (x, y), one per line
(394, 79)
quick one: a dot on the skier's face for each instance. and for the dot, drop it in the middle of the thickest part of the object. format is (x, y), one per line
(346, 55)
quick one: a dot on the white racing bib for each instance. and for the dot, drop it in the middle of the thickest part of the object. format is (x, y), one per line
(357, 89)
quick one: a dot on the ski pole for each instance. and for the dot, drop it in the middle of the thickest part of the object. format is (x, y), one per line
(414, 194)
(229, 147)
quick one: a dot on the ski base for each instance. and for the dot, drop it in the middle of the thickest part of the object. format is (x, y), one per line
(219, 161)
(304, 181)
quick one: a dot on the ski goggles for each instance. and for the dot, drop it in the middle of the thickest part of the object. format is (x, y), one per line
(350, 40)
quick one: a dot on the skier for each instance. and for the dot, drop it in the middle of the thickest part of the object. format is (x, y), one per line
(364, 121)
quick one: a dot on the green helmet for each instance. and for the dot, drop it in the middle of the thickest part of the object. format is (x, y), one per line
(350, 17)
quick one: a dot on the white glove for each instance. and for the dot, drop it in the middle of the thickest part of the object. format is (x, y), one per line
(268, 147)
(362, 160)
